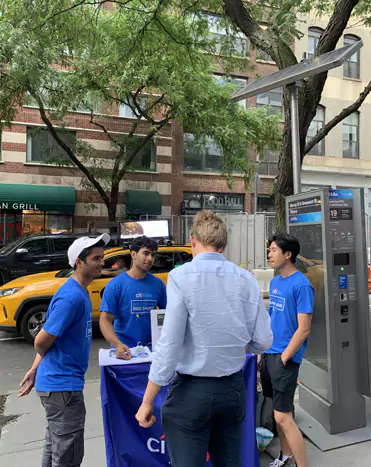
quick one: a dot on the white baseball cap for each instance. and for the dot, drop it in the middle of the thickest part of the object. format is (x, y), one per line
(80, 244)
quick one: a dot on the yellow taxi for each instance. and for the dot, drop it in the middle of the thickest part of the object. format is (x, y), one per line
(24, 301)
(314, 270)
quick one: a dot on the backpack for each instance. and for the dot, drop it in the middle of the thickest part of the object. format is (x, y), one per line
(264, 413)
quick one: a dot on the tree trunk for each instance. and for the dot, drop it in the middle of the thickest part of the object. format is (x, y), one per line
(112, 208)
(283, 185)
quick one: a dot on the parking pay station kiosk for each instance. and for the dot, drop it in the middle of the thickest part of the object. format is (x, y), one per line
(335, 374)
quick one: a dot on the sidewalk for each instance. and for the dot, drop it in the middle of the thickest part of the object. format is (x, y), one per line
(22, 441)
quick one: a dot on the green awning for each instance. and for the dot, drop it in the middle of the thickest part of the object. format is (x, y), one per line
(37, 198)
(142, 202)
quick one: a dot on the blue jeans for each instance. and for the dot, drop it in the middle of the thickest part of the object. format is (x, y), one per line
(64, 436)
(202, 416)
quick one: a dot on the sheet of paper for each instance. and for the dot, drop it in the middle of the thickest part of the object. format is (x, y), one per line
(106, 360)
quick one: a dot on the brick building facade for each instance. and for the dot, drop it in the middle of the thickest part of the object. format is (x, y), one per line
(22, 178)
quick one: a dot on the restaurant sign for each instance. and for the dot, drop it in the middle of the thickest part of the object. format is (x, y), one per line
(19, 206)
(226, 202)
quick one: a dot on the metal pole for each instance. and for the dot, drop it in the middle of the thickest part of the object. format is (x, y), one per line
(255, 209)
(256, 190)
(4, 231)
(295, 139)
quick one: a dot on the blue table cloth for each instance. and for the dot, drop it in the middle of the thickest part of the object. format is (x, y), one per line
(129, 445)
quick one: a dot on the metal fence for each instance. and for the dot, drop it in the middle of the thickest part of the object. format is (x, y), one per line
(246, 244)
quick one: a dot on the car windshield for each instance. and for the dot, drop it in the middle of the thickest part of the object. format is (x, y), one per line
(64, 273)
(8, 248)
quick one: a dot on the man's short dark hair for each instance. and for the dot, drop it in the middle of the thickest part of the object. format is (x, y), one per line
(143, 242)
(287, 243)
(87, 251)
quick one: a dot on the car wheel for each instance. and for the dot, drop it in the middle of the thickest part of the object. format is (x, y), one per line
(32, 321)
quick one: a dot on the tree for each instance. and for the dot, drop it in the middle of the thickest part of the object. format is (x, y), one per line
(67, 55)
(282, 17)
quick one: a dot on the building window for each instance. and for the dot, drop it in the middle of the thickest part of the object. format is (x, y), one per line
(57, 223)
(241, 83)
(314, 35)
(146, 158)
(265, 203)
(127, 111)
(316, 125)
(313, 187)
(272, 100)
(41, 223)
(261, 55)
(351, 136)
(90, 104)
(220, 30)
(268, 163)
(203, 155)
(352, 65)
(42, 147)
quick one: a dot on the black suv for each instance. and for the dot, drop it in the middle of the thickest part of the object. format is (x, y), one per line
(34, 254)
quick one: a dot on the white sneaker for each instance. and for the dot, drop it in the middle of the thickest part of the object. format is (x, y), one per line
(277, 463)
(290, 462)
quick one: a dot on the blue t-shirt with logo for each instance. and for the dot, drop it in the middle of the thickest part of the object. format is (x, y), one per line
(288, 297)
(69, 318)
(131, 301)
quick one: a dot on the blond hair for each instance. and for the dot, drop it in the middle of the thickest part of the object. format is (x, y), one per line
(210, 230)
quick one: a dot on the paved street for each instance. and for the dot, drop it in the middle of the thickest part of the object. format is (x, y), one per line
(16, 357)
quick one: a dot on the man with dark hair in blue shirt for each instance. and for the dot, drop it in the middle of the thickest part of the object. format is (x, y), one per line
(63, 349)
(129, 298)
(291, 308)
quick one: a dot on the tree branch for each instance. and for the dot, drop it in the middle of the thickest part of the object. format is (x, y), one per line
(69, 151)
(104, 129)
(57, 13)
(327, 43)
(336, 120)
(336, 25)
(132, 156)
(118, 157)
(144, 114)
(145, 25)
(239, 13)
(117, 174)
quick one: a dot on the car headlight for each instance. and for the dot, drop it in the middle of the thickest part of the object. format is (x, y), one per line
(6, 292)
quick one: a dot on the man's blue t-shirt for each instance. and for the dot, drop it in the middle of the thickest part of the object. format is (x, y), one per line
(69, 318)
(288, 297)
(131, 301)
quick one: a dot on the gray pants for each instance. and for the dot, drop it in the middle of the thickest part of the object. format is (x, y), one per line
(64, 437)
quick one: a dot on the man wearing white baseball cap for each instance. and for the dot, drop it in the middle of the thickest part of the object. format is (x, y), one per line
(63, 349)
